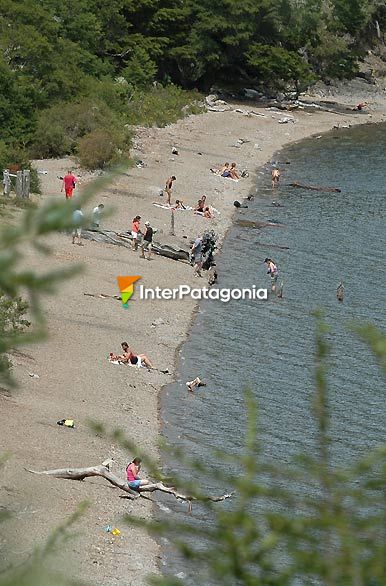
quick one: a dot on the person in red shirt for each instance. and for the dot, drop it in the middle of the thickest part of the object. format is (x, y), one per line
(69, 182)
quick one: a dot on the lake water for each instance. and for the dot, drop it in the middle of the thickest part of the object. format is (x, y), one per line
(268, 345)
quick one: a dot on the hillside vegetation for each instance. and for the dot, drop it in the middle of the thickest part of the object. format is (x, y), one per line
(82, 72)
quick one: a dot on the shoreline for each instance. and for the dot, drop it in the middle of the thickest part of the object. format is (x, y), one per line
(94, 389)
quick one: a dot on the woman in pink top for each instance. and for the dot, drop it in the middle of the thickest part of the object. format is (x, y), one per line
(135, 231)
(132, 471)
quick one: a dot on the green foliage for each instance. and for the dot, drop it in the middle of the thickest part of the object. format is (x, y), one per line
(67, 128)
(34, 571)
(305, 522)
(100, 148)
(162, 105)
(16, 276)
(12, 324)
(277, 67)
(140, 69)
(56, 53)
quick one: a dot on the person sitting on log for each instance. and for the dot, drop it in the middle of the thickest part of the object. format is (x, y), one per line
(132, 475)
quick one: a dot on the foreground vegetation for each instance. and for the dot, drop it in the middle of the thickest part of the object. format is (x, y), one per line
(331, 532)
(76, 75)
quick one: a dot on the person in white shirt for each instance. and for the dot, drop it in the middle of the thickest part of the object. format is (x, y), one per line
(77, 221)
(97, 215)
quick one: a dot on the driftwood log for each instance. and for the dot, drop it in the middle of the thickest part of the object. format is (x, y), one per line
(104, 471)
(315, 188)
(124, 239)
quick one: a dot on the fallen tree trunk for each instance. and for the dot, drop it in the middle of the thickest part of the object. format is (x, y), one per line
(103, 470)
(124, 239)
(315, 188)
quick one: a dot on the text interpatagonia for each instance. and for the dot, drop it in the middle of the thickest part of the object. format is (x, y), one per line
(198, 293)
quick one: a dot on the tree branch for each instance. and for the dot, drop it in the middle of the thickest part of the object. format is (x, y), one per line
(103, 470)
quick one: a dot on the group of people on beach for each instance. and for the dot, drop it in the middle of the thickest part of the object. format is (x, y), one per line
(228, 170)
(142, 237)
(69, 183)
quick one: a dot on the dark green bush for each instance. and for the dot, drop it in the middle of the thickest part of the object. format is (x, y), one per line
(60, 128)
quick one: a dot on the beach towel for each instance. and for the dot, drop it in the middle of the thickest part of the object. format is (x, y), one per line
(113, 361)
(166, 207)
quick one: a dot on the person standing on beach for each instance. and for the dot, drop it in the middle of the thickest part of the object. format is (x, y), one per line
(147, 241)
(273, 271)
(69, 183)
(169, 189)
(135, 231)
(275, 176)
(132, 475)
(97, 215)
(77, 220)
(196, 251)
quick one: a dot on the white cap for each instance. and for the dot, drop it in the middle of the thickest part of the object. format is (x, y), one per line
(147, 223)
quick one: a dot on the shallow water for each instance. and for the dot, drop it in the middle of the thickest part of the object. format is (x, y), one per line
(268, 345)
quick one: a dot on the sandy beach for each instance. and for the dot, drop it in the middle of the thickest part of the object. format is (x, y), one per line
(75, 378)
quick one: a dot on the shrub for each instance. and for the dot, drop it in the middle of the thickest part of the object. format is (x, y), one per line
(160, 105)
(101, 148)
(60, 128)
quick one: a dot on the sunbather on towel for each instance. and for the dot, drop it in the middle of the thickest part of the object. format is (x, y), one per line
(128, 357)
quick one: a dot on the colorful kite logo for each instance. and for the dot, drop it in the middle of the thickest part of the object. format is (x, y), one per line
(126, 287)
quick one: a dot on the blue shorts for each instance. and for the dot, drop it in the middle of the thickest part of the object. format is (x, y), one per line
(134, 484)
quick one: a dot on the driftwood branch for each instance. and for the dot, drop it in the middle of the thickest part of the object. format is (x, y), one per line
(103, 470)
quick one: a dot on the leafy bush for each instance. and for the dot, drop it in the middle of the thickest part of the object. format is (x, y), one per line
(279, 66)
(140, 70)
(61, 127)
(101, 148)
(160, 105)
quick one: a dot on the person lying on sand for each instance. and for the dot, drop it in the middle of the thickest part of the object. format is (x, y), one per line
(179, 205)
(128, 357)
(132, 475)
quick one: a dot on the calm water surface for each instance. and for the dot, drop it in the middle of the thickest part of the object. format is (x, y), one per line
(268, 345)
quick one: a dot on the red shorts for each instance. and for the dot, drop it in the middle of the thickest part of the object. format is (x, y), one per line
(69, 192)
